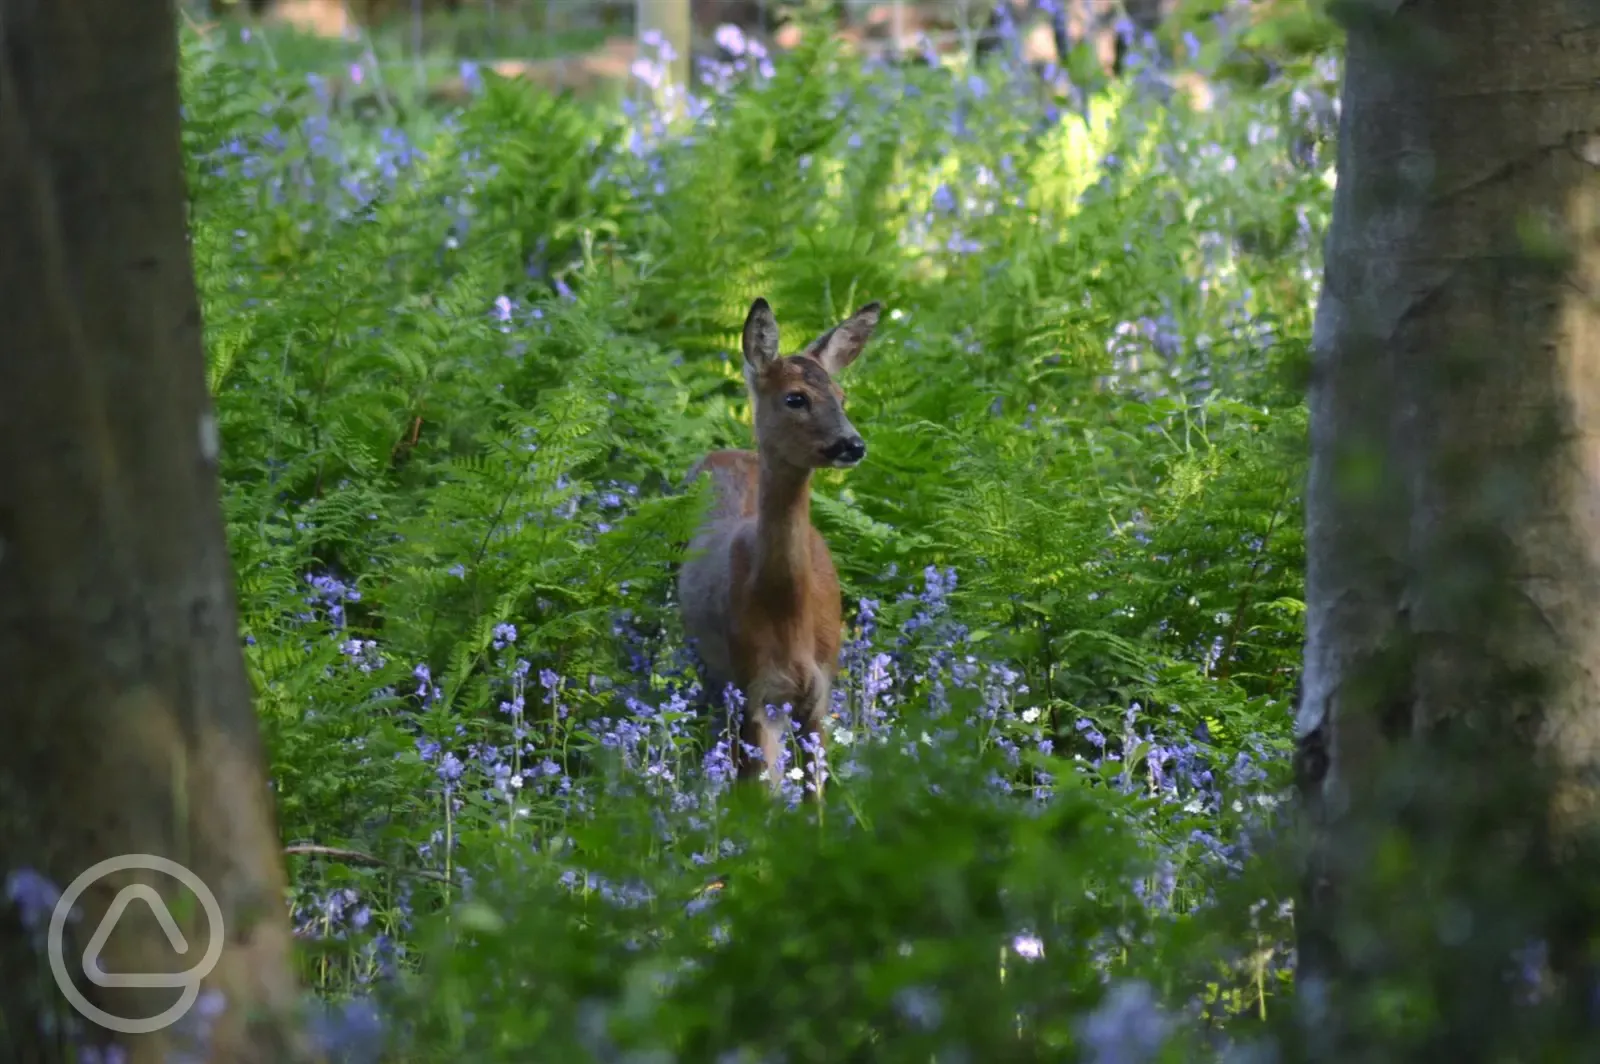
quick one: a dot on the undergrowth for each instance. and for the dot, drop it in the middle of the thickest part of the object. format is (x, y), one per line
(462, 364)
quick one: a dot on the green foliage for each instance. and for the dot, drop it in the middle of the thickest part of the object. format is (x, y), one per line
(462, 365)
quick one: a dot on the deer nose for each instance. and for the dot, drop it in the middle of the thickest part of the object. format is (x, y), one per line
(847, 451)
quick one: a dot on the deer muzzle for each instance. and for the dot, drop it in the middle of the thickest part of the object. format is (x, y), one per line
(846, 451)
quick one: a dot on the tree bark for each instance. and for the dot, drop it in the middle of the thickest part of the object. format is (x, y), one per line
(1449, 732)
(127, 715)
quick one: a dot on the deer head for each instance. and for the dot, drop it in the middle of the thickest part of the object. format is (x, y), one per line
(799, 410)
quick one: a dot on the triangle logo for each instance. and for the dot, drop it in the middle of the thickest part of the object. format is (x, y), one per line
(97, 941)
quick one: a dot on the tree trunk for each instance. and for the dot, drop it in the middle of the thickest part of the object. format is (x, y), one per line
(128, 723)
(1449, 733)
(669, 19)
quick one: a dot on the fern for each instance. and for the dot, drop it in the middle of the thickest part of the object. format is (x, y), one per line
(461, 365)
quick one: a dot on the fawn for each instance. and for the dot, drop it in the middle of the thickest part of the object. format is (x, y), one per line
(758, 593)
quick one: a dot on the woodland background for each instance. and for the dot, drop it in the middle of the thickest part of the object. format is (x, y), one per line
(470, 279)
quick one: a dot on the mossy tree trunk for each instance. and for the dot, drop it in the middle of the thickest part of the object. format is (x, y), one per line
(127, 721)
(1449, 734)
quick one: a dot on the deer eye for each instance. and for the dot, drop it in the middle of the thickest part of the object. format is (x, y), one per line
(796, 401)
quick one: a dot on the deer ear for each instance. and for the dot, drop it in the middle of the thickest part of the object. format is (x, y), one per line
(839, 346)
(760, 335)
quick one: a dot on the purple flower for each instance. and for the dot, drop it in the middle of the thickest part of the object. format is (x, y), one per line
(34, 896)
(1128, 1027)
(351, 1032)
(730, 39)
(919, 1007)
(1027, 946)
(107, 1054)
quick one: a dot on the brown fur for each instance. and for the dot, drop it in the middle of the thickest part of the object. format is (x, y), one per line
(735, 479)
(759, 592)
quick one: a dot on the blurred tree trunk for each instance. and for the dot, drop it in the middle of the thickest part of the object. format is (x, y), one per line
(127, 716)
(1449, 733)
(670, 19)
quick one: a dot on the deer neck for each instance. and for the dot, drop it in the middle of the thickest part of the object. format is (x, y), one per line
(783, 534)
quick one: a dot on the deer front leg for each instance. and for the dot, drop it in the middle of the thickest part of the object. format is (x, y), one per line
(761, 735)
(813, 720)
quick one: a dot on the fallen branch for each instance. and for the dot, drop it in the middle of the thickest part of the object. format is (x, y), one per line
(307, 849)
